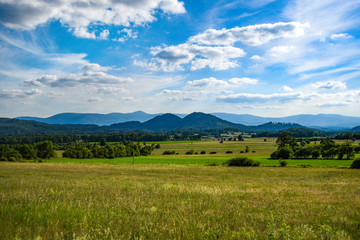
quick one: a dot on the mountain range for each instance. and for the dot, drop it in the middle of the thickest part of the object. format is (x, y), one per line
(319, 121)
(160, 123)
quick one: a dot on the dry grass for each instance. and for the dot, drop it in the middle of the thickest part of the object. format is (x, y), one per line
(103, 201)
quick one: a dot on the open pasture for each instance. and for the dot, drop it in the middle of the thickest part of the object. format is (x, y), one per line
(105, 201)
(258, 145)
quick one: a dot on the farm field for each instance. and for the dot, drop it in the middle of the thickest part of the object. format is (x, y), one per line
(146, 201)
(258, 150)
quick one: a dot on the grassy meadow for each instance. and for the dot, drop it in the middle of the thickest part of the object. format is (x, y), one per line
(179, 197)
(106, 201)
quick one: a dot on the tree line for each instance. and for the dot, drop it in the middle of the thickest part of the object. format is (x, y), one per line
(41, 150)
(288, 148)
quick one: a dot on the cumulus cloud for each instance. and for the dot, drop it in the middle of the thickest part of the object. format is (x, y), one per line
(126, 33)
(19, 93)
(253, 35)
(171, 58)
(259, 98)
(213, 82)
(73, 80)
(286, 89)
(94, 67)
(79, 15)
(330, 85)
(340, 35)
(280, 50)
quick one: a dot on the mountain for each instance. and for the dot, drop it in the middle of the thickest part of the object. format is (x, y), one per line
(274, 127)
(169, 122)
(23, 127)
(326, 122)
(93, 118)
(162, 123)
(355, 129)
(319, 121)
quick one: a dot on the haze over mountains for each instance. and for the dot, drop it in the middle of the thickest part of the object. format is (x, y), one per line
(160, 123)
(319, 121)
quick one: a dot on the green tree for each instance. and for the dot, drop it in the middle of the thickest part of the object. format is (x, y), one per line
(285, 139)
(45, 149)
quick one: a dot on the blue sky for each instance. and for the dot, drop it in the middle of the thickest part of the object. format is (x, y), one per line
(265, 57)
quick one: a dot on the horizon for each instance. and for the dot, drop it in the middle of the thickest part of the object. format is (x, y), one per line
(268, 58)
(159, 113)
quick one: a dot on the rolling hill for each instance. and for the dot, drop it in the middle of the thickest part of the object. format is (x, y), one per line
(161, 123)
(326, 122)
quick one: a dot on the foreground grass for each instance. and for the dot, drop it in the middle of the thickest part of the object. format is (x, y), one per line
(105, 201)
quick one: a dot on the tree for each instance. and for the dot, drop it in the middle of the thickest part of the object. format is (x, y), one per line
(103, 142)
(285, 139)
(27, 151)
(45, 149)
(346, 149)
(240, 138)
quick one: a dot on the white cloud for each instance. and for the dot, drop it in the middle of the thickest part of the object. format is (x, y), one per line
(127, 33)
(330, 85)
(79, 15)
(73, 80)
(281, 50)
(255, 57)
(94, 67)
(171, 58)
(253, 35)
(340, 35)
(259, 98)
(19, 93)
(219, 84)
(286, 89)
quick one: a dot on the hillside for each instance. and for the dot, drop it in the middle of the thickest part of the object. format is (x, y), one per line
(326, 122)
(162, 123)
(93, 118)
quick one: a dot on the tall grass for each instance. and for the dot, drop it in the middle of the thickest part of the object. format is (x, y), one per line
(105, 201)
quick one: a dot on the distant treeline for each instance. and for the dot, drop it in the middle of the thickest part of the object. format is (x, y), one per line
(289, 147)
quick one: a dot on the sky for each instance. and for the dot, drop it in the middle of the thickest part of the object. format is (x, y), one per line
(269, 58)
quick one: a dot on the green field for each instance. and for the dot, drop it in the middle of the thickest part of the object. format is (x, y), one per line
(180, 197)
(259, 150)
(106, 201)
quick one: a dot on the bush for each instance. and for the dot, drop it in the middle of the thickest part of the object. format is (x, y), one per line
(241, 151)
(242, 162)
(229, 152)
(202, 152)
(356, 164)
(212, 152)
(167, 152)
(283, 153)
(190, 152)
(283, 163)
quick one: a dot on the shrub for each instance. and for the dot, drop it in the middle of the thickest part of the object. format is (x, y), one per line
(241, 151)
(229, 152)
(356, 164)
(212, 164)
(189, 152)
(212, 152)
(283, 163)
(167, 152)
(242, 162)
(202, 152)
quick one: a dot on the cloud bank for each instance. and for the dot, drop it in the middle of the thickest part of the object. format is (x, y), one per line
(80, 16)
